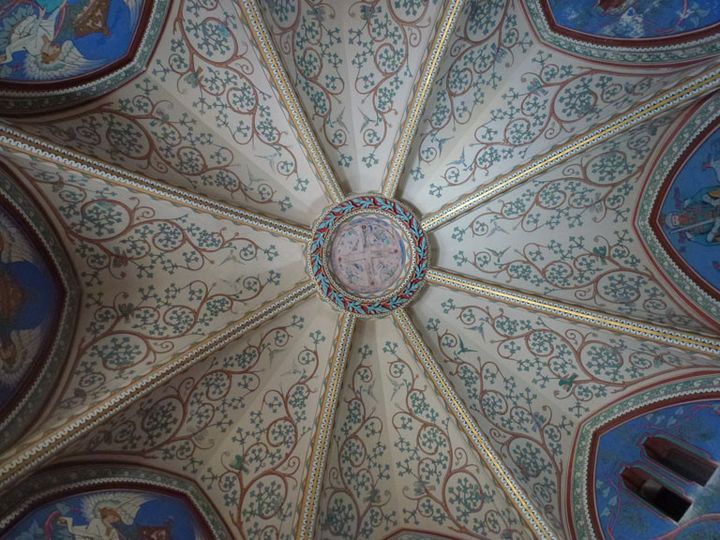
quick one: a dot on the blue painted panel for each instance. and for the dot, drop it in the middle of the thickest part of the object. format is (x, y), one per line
(60, 40)
(108, 514)
(690, 213)
(635, 19)
(622, 514)
(29, 303)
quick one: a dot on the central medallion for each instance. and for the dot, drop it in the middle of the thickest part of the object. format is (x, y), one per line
(368, 255)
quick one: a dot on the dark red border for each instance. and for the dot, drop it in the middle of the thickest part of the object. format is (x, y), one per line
(93, 75)
(102, 486)
(659, 201)
(624, 42)
(590, 479)
(42, 357)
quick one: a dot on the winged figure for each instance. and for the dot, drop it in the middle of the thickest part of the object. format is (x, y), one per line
(46, 32)
(109, 516)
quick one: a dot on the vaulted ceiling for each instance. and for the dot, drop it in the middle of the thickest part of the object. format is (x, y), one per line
(167, 330)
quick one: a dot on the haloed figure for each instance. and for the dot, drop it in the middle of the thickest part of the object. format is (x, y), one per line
(699, 218)
(23, 303)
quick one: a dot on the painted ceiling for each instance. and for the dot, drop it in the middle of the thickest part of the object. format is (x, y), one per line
(370, 269)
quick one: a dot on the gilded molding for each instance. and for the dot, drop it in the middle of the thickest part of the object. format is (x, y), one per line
(36, 450)
(420, 95)
(686, 91)
(307, 516)
(469, 426)
(661, 334)
(289, 99)
(16, 141)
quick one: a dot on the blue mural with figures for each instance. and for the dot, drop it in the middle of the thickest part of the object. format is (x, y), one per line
(30, 298)
(111, 514)
(635, 19)
(59, 40)
(689, 216)
(621, 513)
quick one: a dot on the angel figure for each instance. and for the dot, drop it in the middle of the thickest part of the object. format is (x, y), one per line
(31, 33)
(110, 516)
(46, 32)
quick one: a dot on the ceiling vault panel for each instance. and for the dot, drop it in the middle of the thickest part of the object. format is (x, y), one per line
(289, 98)
(409, 123)
(16, 141)
(457, 79)
(40, 447)
(682, 93)
(668, 336)
(469, 426)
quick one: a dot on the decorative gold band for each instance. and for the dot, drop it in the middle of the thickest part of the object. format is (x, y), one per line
(469, 426)
(40, 447)
(15, 141)
(420, 96)
(307, 517)
(654, 332)
(710, 80)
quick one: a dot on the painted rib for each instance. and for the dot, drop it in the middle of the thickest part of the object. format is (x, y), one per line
(421, 92)
(681, 94)
(469, 426)
(289, 98)
(16, 141)
(653, 332)
(307, 517)
(35, 451)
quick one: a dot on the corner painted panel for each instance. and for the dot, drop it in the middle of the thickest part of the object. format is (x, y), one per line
(57, 53)
(56, 40)
(685, 411)
(649, 32)
(634, 19)
(678, 211)
(30, 298)
(620, 513)
(38, 300)
(110, 502)
(111, 513)
(686, 217)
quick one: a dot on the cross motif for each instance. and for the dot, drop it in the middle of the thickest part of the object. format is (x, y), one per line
(367, 255)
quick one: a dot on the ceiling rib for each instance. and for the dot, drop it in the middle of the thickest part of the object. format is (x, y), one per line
(307, 517)
(660, 334)
(31, 453)
(421, 92)
(469, 426)
(286, 93)
(17, 141)
(683, 92)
